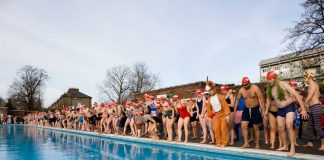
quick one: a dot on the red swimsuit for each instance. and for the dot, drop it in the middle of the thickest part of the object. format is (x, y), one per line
(183, 112)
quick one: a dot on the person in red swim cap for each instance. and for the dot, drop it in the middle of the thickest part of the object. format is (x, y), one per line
(254, 101)
(284, 97)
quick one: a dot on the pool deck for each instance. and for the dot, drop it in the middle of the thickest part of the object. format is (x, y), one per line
(196, 146)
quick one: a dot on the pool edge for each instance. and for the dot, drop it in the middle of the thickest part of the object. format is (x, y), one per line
(195, 146)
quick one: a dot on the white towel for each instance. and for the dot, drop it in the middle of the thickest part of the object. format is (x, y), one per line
(214, 101)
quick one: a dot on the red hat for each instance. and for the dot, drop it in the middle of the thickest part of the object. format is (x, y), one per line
(162, 98)
(176, 97)
(223, 88)
(271, 75)
(146, 96)
(245, 81)
(152, 97)
(292, 83)
(198, 92)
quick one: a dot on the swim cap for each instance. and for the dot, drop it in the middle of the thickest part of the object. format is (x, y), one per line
(223, 88)
(245, 81)
(271, 75)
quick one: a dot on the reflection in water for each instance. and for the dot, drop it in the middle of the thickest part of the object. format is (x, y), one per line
(32, 143)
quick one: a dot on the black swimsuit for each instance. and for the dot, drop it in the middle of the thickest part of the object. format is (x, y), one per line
(228, 101)
(200, 105)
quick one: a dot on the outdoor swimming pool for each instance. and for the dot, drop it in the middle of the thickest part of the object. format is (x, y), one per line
(27, 142)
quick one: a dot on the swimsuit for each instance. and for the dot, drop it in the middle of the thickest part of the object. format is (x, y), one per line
(274, 113)
(253, 115)
(282, 112)
(194, 116)
(183, 112)
(168, 114)
(228, 101)
(129, 113)
(200, 105)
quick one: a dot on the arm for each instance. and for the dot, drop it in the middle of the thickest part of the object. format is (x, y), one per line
(238, 97)
(224, 104)
(268, 103)
(197, 108)
(209, 110)
(203, 107)
(260, 98)
(293, 92)
(189, 109)
(231, 96)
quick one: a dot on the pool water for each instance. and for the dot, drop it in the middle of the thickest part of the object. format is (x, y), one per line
(26, 142)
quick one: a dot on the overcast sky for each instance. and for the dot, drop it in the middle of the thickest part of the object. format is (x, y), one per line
(181, 40)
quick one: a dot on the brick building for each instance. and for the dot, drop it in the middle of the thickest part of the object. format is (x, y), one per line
(184, 91)
(73, 97)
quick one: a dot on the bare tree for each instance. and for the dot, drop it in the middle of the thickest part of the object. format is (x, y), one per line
(26, 89)
(2, 102)
(308, 32)
(121, 82)
(142, 79)
(117, 83)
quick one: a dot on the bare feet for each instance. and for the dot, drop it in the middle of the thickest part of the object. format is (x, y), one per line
(245, 146)
(297, 145)
(272, 147)
(186, 141)
(322, 148)
(212, 142)
(231, 144)
(290, 154)
(257, 146)
(218, 145)
(222, 146)
(285, 148)
(309, 145)
(178, 140)
(169, 140)
(203, 142)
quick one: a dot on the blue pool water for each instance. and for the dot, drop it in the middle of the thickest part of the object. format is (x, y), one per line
(25, 142)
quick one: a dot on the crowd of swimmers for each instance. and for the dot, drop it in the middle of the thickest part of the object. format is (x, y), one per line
(277, 111)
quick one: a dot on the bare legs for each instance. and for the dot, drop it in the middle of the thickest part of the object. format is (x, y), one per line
(183, 122)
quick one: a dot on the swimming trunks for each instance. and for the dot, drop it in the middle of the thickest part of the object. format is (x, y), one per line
(253, 115)
(282, 112)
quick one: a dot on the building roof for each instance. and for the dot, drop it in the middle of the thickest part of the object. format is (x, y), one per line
(75, 93)
(289, 56)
